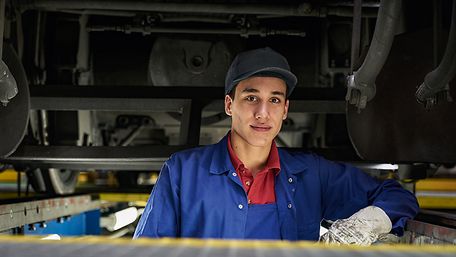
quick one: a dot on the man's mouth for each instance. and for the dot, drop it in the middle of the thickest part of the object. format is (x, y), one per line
(260, 128)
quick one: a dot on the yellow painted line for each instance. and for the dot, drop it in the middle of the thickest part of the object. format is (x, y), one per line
(437, 202)
(240, 244)
(8, 175)
(436, 184)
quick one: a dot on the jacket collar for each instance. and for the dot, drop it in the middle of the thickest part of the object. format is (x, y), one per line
(289, 163)
(221, 162)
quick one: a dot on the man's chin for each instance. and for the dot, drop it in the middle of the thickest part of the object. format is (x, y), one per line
(263, 142)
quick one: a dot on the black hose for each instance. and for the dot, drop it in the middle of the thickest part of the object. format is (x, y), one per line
(438, 79)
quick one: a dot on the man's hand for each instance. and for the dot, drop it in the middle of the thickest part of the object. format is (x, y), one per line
(362, 228)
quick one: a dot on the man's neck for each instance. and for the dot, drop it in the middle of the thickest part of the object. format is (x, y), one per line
(254, 158)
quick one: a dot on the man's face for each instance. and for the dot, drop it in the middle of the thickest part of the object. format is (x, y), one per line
(258, 109)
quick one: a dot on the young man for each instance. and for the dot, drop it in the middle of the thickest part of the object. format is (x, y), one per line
(246, 187)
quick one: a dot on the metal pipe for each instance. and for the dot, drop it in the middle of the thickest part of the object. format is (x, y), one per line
(348, 12)
(361, 85)
(366, 3)
(83, 54)
(36, 58)
(137, 5)
(19, 34)
(356, 32)
(196, 18)
(2, 25)
(243, 32)
(437, 30)
(101, 13)
(436, 81)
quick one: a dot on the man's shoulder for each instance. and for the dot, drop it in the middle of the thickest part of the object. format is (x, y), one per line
(193, 153)
(297, 154)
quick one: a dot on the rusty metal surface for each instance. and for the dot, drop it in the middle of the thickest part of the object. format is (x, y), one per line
(395, 127)
(429, 233)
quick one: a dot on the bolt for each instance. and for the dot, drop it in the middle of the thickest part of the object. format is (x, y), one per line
(31, 227)
(43, 224)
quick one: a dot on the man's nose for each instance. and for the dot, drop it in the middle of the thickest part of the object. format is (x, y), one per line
(262, 111)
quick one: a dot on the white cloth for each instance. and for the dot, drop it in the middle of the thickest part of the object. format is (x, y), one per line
(362, 228)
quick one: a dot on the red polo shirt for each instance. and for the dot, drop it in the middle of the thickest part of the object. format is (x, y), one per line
(259, 190)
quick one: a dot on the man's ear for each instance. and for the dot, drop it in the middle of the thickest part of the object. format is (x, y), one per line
(228, 103)
(285, 114)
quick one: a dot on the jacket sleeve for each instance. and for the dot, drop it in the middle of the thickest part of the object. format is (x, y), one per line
(161, 215)
(346, 189)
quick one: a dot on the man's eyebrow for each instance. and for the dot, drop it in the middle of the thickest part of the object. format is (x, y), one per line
(278, 93)
(250, 90)
(254, 90)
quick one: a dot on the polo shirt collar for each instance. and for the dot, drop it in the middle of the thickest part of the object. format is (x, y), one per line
(273, 162)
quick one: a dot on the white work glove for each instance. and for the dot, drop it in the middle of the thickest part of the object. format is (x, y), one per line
(362, 228)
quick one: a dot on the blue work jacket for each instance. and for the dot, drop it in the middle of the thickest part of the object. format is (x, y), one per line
(198, 194)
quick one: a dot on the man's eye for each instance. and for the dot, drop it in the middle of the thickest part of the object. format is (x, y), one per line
(251, 98)
(275, 100)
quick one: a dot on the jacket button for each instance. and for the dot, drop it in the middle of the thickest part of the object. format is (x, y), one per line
(234, 174)
(240, 206)
(289, 206)
(290, 180)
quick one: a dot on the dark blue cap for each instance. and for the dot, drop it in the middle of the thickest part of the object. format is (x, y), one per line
(263, 62)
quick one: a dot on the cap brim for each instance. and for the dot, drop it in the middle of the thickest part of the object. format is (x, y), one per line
(289, 78)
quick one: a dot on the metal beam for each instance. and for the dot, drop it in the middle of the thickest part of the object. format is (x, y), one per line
(244, 32)
(32, 211)
(191, 123)
(304, 9)
(123, 6)
(149, 98)
(120, 158)
(94, 157)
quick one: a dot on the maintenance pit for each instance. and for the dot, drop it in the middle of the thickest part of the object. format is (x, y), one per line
(110, 213)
